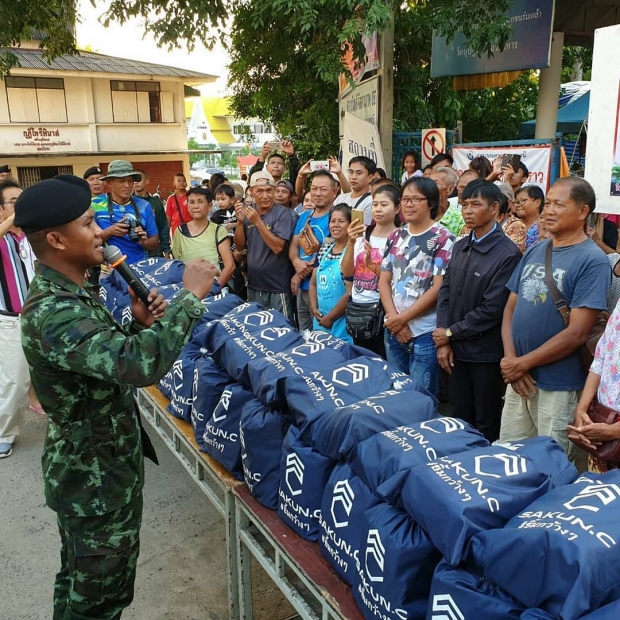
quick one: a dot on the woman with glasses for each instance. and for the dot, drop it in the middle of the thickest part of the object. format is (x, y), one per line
(529, 203)
(415, 261)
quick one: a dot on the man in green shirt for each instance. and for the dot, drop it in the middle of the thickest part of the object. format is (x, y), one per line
(84, 367)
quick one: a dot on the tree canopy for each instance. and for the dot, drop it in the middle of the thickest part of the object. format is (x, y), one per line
(286, 56)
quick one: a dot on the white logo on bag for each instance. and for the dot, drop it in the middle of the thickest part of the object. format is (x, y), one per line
(344, 495)
(357, 372)
(294, 467)
(309, 348)
(177, 374)
(449, 425)
(103, 293)
(604, 493)
(126, 316)
(195, 384)
(273, 333)
(444, 608)
(163, 268)
(511, 465)
(375, 551)
(258, 319)
(225, 402)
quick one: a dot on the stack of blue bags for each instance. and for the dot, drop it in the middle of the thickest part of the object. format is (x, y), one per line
(417, 512)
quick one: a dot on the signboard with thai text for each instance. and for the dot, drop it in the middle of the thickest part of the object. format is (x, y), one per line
(528, 47)
(16, 140)
(361, 138)
(537, 159)
(362, 101)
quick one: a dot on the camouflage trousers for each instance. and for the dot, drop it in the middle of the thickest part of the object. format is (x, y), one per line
(98, 561)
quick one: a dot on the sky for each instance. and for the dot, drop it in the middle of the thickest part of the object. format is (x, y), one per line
(129, 41)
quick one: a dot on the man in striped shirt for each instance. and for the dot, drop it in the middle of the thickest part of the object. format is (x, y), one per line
(16, 271)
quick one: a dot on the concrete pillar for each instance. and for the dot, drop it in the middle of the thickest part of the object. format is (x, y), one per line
(549, 91)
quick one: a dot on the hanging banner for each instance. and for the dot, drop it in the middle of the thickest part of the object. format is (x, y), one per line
(361, 138)
(360, 69)
(362, 101)
(603, 146)
(528, 48)
(537, 159)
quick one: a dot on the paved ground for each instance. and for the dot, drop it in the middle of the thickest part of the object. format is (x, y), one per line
(182, 568)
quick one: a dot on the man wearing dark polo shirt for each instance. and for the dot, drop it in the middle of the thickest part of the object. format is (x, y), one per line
(266, 232)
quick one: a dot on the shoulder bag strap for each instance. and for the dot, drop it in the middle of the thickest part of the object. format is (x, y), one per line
(558, 300)
(176, 200)
(361, 199)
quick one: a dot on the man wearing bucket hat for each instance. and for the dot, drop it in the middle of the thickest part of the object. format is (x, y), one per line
(127, 221)
(84, 367)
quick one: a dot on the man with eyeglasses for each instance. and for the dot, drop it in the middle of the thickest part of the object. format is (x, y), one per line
(361, 172)
(16, 272)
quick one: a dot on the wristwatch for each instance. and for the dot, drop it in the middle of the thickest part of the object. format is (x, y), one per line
(448, 334)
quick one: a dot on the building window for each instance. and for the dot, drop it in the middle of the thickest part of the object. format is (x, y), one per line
(241, 129)
(140, 102)
(30, 175)
(36, 100)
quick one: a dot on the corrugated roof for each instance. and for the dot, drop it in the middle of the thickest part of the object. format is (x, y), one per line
(99, 63)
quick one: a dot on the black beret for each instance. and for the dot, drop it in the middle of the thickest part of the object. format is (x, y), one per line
(92, 170)
(5, 168)
(51, 203)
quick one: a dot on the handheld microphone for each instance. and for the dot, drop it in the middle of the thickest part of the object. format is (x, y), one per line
(116, 260)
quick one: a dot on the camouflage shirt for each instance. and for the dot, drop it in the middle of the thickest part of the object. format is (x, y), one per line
(83, 366)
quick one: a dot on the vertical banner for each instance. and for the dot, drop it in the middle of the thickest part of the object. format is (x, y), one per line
(361, 138)
(603, 146)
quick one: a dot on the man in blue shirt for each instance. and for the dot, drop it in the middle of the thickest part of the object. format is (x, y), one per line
(323, 192)
(127, 221)
(541, 360)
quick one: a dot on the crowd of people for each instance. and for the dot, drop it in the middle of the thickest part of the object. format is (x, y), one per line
(444, 276)
(479, 286)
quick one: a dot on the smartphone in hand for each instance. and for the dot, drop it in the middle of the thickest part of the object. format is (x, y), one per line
(357, 216)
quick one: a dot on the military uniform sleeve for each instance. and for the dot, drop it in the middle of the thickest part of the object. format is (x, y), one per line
(76, 338)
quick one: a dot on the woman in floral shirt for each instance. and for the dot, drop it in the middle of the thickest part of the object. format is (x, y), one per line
(415, 261)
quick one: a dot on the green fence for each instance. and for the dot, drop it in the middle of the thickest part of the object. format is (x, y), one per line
(410, 141)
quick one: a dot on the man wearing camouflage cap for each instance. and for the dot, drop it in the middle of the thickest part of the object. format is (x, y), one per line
(83, 367)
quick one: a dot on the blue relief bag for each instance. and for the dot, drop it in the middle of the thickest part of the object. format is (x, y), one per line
(248, 346)
(337, 432)
(383, 459)
(456, 593)
(217, 306)
(267, 374)
(261, 433)
(396, 566)
(209, 382)
(341, 527)
(221, 434)
(303, 476)
(609, 612)
(561, 552)
(320, 391)
(473, 491)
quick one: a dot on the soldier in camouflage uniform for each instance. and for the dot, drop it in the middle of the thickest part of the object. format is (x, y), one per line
(83, 366)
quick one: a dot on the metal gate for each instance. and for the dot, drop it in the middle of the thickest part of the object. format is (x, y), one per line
(29, 175)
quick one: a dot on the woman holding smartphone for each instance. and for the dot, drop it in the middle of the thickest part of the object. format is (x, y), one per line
(328, 292)
(361, 265)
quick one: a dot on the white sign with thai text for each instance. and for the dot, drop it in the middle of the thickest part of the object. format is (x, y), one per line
(537, 159)
(361, 138)
(44, 139)
(362, 101)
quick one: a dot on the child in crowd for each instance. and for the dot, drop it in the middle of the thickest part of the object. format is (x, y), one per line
(411, 166)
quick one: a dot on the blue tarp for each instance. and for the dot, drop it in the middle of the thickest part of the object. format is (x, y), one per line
(570, 117)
